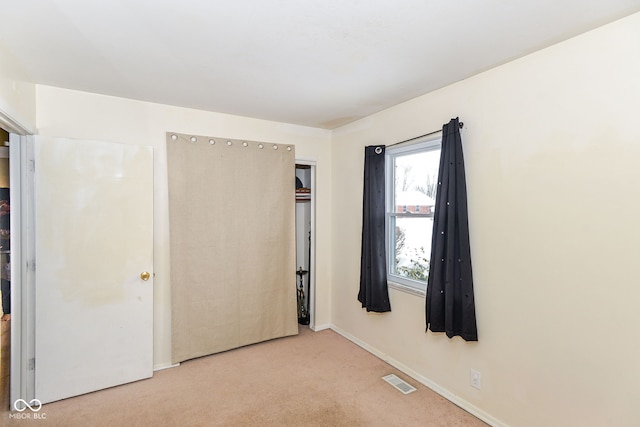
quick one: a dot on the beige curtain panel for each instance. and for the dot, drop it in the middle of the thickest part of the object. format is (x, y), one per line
(232, 234)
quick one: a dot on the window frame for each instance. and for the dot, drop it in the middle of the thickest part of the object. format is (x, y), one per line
(424, 144)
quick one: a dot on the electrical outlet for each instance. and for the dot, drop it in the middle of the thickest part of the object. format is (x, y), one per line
(476, 379)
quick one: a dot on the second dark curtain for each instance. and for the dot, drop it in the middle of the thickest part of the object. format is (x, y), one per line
(450, 306)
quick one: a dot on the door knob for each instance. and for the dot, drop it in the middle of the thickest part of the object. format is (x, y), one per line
(145, 275)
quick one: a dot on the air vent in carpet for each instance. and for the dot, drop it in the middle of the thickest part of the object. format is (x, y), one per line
(404, 387)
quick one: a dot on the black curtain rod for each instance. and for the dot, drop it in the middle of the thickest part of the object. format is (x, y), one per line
(421, 136)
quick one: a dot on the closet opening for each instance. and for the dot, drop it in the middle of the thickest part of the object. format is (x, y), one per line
(305, 242)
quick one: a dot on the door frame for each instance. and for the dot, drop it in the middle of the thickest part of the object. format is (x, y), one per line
(22, 377)
(22, 372)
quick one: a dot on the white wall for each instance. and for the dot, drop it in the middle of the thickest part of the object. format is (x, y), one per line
(17, 94)
(72, 114)
(552, 146)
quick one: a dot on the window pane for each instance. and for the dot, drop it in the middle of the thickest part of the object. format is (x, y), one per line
(412, 176)
(415, 183)
(412, 248)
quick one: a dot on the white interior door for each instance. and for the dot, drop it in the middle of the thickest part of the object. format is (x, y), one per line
(94, 239)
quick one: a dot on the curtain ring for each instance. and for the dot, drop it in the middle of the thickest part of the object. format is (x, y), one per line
(378, 150)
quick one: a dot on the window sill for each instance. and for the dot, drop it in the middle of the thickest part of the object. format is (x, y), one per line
(408, 289)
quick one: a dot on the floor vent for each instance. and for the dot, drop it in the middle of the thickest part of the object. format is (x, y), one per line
(404, 387)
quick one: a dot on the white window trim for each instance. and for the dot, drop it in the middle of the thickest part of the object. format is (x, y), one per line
(413, 290)
(394, 281)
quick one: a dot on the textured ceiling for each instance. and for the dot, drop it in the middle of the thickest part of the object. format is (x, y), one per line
(320, 63)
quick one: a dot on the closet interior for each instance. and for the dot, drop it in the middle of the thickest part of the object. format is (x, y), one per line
(304, 240)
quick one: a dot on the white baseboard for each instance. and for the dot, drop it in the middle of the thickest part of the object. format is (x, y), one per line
(161, 367)
(317, 328)
(453, 398)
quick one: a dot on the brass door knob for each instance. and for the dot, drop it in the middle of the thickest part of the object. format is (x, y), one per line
(145, 275)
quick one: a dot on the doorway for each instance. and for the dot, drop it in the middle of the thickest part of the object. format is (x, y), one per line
(305, 241)
(5, 270)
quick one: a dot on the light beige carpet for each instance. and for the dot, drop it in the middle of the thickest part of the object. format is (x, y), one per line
(313, 379)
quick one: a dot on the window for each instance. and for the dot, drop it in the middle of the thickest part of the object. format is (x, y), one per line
(412, 174)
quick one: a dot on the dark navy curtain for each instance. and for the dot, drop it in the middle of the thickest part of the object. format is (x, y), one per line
(450, 306)
(373, 294)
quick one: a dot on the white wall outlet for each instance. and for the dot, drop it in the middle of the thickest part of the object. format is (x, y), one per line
(476, 379)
